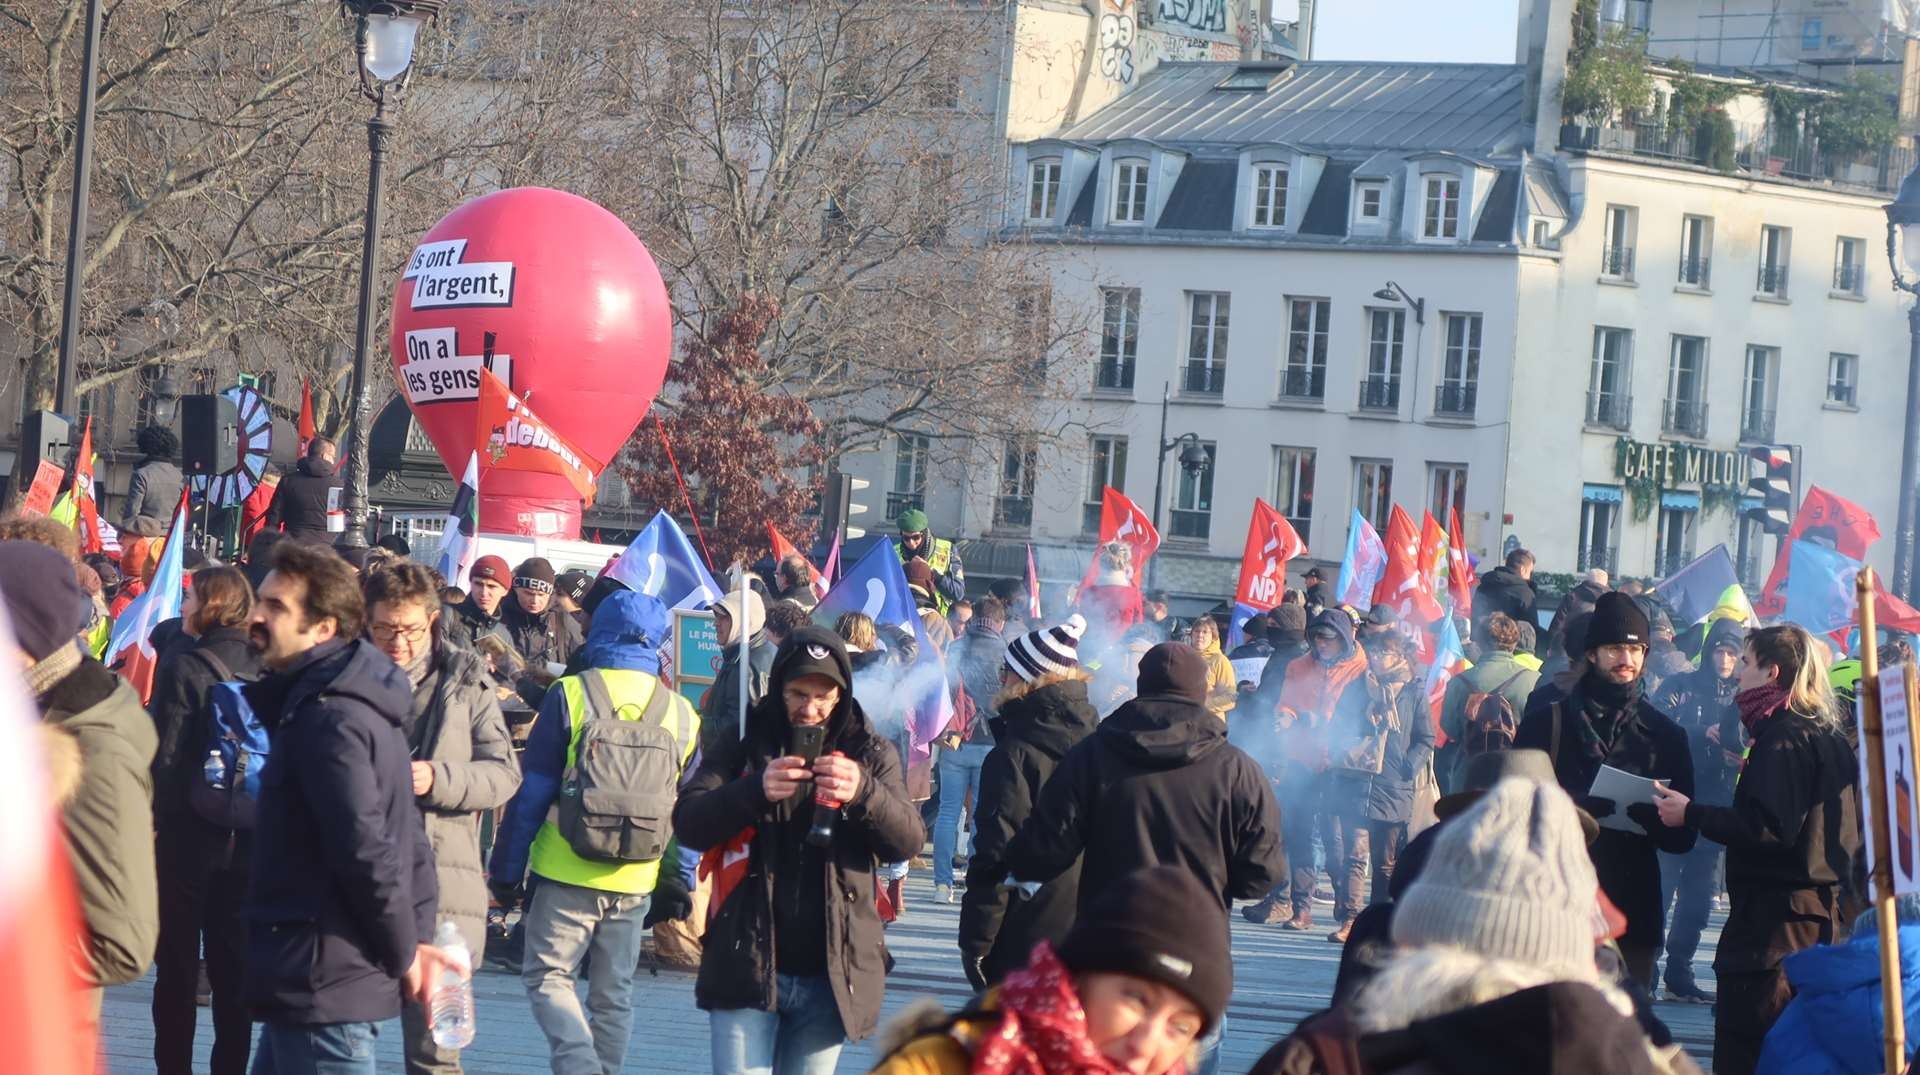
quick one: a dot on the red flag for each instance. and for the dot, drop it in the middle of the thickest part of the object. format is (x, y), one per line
(307, 429)
(1122, 520)
(1400, 586)
(88, 516)
(1893, 614)
(1033, 587)
(1433, 559)
(1460, 580)
(1825, 519)
(514, 438)
(1271, 542)
(782, 548)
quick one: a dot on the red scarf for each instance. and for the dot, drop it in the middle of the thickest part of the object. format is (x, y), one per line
(1757, 704)
(1043, 1029)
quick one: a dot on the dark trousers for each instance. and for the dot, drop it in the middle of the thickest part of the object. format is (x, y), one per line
(1299, 793)
(1344, 836)
(1687, 886)
(1745, 1007)
(201, 884)
(1388, 839)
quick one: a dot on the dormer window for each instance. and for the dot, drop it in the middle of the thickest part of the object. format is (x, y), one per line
(1270, 196)
(1043, 189)
(1440, 215)
(1369, 201)
(1129, 192)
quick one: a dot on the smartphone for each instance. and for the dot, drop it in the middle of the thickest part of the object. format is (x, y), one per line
(807, 741)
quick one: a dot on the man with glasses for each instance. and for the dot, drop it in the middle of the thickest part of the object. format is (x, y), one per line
(463, 765)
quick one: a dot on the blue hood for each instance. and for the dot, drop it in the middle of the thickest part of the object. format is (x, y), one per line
(627, 632)
(1338, 620)
(1834, 1022)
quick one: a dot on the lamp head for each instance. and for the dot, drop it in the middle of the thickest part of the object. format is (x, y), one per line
(1386, 294)
(166, 399)
(1193, 458)
(386, 32)
(1903, 222)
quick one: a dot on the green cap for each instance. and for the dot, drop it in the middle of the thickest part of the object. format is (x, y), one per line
(912, 521)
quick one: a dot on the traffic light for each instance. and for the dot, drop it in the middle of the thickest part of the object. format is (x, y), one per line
(1777, 486)
(838, 505)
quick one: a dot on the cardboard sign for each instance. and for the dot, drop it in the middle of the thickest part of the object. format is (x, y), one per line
(46, 484)
(696, 647)
(1897, 753)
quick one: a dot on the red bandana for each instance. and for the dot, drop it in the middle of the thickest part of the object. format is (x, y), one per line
(1043, 1030)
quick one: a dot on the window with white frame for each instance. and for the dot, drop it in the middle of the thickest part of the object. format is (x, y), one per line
(1304, 376)
(1193, 499)
(1446, 490)
(1850, 266)
(1013, 507)
(1757, 394)
(1129, 192)
(1843, 380)
(1119, 337)
(1440, 214)
(1386, 340)
(1206, 372)
(1609, 401)
(1616, 238)
(1674, 537)
(1459, 367)
(1542, 233)
(1293, 487)
(1696, 251)
(1776, 245)
(1686, 409)
(1600, 509)
(1373, 491)
(1043, 189)
(1369, 201)
(1106, 465)
(910, 452)
(1270, 196)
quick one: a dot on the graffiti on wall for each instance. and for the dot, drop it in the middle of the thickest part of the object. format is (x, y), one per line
(1116, 46)
(1209, 16)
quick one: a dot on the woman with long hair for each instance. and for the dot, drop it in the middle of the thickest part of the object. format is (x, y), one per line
(1790, 836)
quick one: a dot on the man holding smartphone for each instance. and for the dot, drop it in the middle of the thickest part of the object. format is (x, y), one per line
(812, 795)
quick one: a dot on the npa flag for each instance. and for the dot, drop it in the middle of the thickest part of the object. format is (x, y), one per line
(87, 516)
(307, 427)
(1460, 579)
(1361, 568)
(1122, 520)
(1820, 587)
(1433, 560)
(661, 563)
(45, 1025)
(1033, 588)
(782, 548)
(1403, 584)
(458, 550)
(1271, 543)
(1826, 519)
(130, 649)
(877, 586)
(514, 438)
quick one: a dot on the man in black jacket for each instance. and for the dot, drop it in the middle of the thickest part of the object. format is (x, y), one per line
(1042, 712)
(1509, 589)
(793, 964)
(480, 613)
(307, 502)
(542, 634)
(341, 900)
(1604, 720)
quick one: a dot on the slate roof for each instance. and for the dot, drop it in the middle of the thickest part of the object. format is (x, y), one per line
(1202, 198)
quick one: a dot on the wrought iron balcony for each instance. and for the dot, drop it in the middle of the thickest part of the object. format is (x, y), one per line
(1617, 262)
(1380, 394)
(1696, 272)
(1609, 410)
(1303, 382)
(1204, 379)
(1455, 400)
(1686, 417)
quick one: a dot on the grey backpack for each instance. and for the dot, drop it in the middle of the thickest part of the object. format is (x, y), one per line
(616, 800)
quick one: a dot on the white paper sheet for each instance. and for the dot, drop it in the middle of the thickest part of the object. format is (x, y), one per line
(1624, 789)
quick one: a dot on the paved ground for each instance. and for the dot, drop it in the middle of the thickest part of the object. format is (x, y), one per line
(1281, 977)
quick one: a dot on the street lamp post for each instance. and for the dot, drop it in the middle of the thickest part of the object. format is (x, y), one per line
(384, 34)
(1903, 251)
(1193, 460)
(77, 214)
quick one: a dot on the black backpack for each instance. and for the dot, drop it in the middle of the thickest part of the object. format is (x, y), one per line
(616, 799)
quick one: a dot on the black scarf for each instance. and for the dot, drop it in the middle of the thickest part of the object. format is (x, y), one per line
(1604, 709)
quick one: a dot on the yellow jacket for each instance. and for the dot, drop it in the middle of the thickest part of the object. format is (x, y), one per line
(936, 1044)
(1222, 691)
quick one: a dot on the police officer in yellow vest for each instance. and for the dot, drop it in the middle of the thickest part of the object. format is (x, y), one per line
(917, 543)
(593, 870)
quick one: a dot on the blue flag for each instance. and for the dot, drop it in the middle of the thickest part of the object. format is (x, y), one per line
(661, 563)
(1361, 568)
(877, 586)
(1820, 587)
(1696, 590)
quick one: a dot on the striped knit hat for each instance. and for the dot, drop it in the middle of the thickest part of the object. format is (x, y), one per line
(1047, 651)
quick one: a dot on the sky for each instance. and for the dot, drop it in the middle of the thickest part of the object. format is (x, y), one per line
(1458, 31)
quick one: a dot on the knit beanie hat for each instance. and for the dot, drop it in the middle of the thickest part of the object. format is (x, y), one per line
(491, 567)
(573, 584)
(911, 521)
(1047, 651)
(1174, 668)
(1508, 878)
(1149, 924)
(1617, 621)
(44, 601)
(1289, 624)
(535, 574)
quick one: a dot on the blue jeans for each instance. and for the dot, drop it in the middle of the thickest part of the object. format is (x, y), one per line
(959, 776)
(803, 1037)
(315, 1049)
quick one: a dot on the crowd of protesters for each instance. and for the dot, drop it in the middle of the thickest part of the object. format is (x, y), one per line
(507, 748)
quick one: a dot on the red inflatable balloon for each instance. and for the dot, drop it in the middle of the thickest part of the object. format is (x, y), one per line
(563, 303)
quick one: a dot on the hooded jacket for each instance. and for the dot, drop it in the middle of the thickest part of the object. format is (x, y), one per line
(301, 500)
(1157, 783)
(1316, 695)
(1700, 701)
(1038, 723)
(725, 797)
(1503, 590)
(342, 886)
(721, 713)
(1833, 1026)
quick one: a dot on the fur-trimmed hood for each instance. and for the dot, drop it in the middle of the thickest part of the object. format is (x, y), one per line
(1050, 713)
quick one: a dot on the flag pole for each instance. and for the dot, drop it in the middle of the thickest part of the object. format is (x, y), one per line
(740, 569)
(1871, 730)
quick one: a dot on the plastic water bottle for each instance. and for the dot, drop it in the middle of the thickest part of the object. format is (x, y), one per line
(215, 770)
(450, 1011)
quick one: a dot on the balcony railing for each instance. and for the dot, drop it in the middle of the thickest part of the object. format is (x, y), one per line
(1841, 395)
(1756, 427)
(1617, 261)
(1013, 512)
(1380, 394)
(1609, 410)
(1772, 280)
(1696, 272)
(1849, 278)
(1604, 559)
(1303, 382)
(1686, 417)
(899, 502)
(1764, 153)
(1202, 379)
(1455, 400)
(1113, 373)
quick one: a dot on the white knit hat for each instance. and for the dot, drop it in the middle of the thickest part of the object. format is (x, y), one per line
(1508, 878)
(1047, 651)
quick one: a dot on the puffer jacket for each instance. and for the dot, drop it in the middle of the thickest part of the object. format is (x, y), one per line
(301, 501)
(107, 822)
(1316, 695)
(153, 494)
(724, 797)
(459, 732)
(1833, 1025)
(1038, 723)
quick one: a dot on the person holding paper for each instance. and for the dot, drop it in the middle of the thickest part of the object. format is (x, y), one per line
(1604, 720)
(1790, 836)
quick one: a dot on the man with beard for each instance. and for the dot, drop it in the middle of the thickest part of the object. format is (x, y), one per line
(1701, 702)
(1604, 720)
